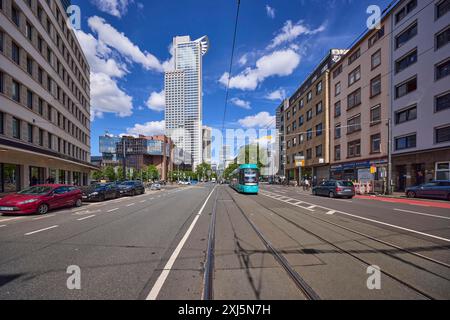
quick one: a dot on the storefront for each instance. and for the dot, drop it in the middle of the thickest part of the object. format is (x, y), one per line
(363, 171)
(9, 178)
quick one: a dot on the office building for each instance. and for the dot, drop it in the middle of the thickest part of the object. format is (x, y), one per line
(207, 144)
(44, 97)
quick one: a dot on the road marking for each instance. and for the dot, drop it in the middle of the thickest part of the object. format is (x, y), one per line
(131, 204)
(385, 224)
(85, 218)
(11, 219)
(153, 295)
(42, 230)
(82, 213)
(423, 214)
(112, 210)
(3, 226)
(298, 203)
(312, 207)
(41, 218)
(142, 201)
(330, 213)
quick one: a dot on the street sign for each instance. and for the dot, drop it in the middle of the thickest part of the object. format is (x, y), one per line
(373, 170)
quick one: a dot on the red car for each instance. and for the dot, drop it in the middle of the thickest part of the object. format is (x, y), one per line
(40, 199)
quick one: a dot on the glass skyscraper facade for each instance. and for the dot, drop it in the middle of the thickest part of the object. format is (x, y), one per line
(183, 89)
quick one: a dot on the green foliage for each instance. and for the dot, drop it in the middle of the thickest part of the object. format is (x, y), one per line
(202, 171)
(228, 171)
(152, 172)
(120, 174)
(109, 174)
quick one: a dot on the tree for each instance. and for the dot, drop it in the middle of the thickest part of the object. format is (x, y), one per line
(202, 170)
(152, 172)
(97, 175)
(109, 173)
(120, 174)
(228, 171)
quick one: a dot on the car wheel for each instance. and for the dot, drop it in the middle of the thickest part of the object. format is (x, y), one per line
(78, 203)
(332, 195)
(411, 194)
(42, 209)
(133, 193)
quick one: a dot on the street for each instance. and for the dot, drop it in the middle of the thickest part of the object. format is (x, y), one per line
(283, 244)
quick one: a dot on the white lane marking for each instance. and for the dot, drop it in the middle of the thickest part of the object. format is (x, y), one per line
(3, 226)
(42, 230)
(11, 219)
(143, 201)
(82, 213)
(298, 203)
(153, 295)
(312, 207)
(85, 218)
(131, 204)
(45, 217)
(112, 210)
(330, 213)
(423, 214)
(386, 224)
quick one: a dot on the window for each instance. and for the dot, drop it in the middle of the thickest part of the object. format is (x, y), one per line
(443, 134)
(319, 88)
(41, 106)
(377, 36)
(2, 37)
(337, 109)
(29, 31)
(15, 53)
(406, 61)
(309, 135)
(405, 11)
(443, 171)
(337, 89)
(2, 123)
(405, 88)
(443, 38)
(301, 138)
(375, 115)
(376, 59)
(406, 115)
(375, 86)
(337, 72)
(319, 108)
(30, 133)
(302, 104)
(337, 153)
(406, 35)
(354, 76)
(319, 130)
(15, 16)
(354, 99)
(30, 66)
(16, 128)
(442, 102)
(375, 143)
(354, 124)
(30, 99)
(50, 140)
(309, 115)
(442, 8)
(319, 151)
(15, 91)
(301, 121)
(2, 88)
(309, 154)
(309, 97)
(443, 69)
(407, 142)
(338, 131)
(354, 56)
(41, 137)
(354, 149)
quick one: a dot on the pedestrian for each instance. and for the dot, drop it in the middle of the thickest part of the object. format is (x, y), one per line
(307, 184)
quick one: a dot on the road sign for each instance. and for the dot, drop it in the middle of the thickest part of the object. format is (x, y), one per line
(373, 170)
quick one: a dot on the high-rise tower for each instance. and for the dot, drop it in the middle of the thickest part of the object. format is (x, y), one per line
(183, 90)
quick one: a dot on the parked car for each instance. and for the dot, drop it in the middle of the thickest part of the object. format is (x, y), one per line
(131, 188)
(335, 189)
(155, 187)
(435, 190)
(101, 192)
(40, 199)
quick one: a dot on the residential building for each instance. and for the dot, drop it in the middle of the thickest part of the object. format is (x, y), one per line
(207, 144)
(140, 152)
(421, 92)
(280, 126)
(359, 109)
(307, 119)
(44, 97)
(184, 101)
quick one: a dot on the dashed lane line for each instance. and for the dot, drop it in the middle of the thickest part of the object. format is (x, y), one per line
(41, 230)
(85, 218)
(112, 210)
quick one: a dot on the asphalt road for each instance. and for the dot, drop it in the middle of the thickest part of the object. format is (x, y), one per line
(281, 244)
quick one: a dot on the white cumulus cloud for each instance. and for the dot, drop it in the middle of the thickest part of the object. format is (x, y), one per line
(260, 120)
(278, 63)
(152, 128)
(270, 12)
(157, 101)
(241, 103)
(116, 8)
(291, 31)
(279, 94)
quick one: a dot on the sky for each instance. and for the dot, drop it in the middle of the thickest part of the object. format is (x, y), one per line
(279, 42)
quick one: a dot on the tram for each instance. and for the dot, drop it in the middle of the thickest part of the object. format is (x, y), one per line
(245, 179)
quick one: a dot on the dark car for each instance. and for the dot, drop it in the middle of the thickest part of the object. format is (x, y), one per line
(131, 188)
(40, 199)
(435, 190)
(101, 192)
(335, 189)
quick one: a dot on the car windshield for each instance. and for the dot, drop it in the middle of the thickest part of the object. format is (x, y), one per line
(36, 191)
(129, 183)
(345, 184)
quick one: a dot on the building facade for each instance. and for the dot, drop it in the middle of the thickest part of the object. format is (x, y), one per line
(280, 126)
(139, 152)
(307, 119)
(421, 92)
(207, 144)
(360, 104)
(44, 97)
(183, 92)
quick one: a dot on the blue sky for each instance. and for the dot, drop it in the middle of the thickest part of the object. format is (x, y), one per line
(279, 43)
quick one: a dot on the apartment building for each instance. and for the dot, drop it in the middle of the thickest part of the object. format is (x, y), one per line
(44, 97)
(421, 92)
(360, 103)
(307, 119)
(280, 137)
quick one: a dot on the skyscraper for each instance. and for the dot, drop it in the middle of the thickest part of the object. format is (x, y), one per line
(183, 90)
